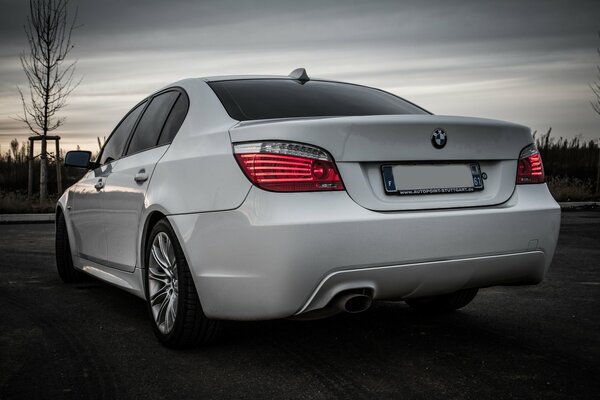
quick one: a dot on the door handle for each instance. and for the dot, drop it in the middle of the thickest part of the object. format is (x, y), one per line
(141, 176)
(99, 184)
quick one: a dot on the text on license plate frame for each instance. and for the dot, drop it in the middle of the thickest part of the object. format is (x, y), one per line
(392, 188)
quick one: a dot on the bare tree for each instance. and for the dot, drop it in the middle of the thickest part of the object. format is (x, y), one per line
(23, 151)
(48, 31)
(14, 146)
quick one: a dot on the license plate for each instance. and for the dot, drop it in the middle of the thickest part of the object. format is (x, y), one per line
(407, 179)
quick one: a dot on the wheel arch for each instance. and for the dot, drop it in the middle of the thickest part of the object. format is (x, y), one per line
(151, 220)
(59, 212)
(152, 216)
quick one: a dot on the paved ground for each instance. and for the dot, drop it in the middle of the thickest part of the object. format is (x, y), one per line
(91, 341)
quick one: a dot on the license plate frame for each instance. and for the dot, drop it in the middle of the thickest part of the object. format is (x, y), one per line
(392, 188)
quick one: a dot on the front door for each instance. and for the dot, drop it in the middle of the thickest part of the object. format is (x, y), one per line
(86, 214)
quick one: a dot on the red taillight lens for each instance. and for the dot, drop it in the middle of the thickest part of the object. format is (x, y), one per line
(530, 168)
(287, 167)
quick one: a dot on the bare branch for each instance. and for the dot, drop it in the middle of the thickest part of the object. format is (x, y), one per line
(49, 29)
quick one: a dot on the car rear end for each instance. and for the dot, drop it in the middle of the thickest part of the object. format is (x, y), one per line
(387, 206)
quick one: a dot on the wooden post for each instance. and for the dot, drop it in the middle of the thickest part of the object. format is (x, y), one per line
(57, 159)
(30, 176)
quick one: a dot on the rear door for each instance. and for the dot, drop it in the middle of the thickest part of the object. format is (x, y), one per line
(86, 214)
(126, 187)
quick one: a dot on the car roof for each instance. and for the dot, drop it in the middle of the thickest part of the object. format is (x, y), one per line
(254, 77)
(240, 77)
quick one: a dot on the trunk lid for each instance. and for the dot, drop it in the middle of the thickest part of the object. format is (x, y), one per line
(361, 146)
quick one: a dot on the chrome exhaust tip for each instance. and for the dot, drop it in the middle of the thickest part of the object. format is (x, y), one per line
(352, 302)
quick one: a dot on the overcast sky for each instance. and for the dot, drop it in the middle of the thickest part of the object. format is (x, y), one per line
(524, 61)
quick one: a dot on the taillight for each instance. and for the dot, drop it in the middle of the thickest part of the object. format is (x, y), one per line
(530, 168)
(287, 167)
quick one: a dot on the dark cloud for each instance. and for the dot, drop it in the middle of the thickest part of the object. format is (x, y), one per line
(219, 24)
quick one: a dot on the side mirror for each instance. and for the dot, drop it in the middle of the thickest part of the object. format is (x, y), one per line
(78, 159)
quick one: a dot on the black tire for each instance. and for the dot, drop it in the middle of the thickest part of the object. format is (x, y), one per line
(64, 260)
(444, 303)
(191, 327)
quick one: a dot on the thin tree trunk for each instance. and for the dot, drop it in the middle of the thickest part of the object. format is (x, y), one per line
(43, 173)
(58, 174)
(43, 156)
(30, 172)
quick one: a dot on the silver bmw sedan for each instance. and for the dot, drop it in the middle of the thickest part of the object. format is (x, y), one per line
(263, 197)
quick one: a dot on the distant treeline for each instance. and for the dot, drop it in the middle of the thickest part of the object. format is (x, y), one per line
(14, 170)
(568, 158)
(562, 159)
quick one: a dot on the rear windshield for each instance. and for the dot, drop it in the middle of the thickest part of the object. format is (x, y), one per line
(251, 99)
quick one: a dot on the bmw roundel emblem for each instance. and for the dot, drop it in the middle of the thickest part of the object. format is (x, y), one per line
(439, 138)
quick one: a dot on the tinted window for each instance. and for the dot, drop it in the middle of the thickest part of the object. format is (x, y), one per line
(283, 98)
(174, 120)
(148, 130)
(116, 142)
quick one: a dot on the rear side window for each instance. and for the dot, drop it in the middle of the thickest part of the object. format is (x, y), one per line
(175, 119)
(151, 124)
(116, 142)
(251, 99)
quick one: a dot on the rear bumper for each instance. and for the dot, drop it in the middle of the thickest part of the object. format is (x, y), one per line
(281, 254)
(431, 278)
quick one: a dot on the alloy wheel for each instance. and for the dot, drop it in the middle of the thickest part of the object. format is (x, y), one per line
(163, 282)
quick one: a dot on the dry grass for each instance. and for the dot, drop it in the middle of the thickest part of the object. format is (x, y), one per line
(17, 203)
(571, 189)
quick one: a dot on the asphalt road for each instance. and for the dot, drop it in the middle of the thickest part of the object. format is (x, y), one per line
(93, 341)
